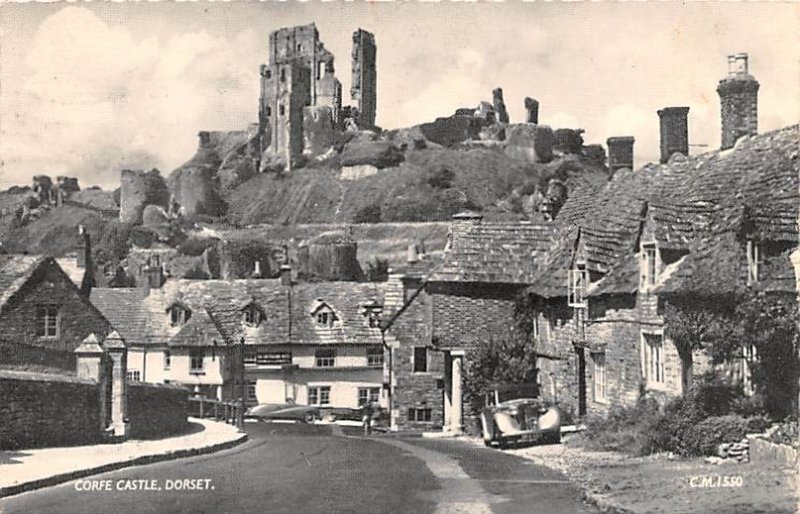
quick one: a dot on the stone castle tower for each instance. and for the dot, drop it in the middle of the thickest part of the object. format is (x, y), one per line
(299, 88)
(363, 90)
(738, 96)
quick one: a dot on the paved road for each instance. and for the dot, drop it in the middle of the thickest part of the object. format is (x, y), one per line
(295, 468)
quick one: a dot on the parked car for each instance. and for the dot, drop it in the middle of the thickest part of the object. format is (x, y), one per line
(514, 414)
(268, 411)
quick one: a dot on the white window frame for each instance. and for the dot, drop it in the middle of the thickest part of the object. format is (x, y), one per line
(755, 258)
(578, 282)
(194, 355)
(167, 359)
(133, 375)
(371, 394)
(324, 361)
(375, 357)
(48, 319)
(416, 417)
(319, 395)
(250, 357)
(252, 316)
(535, 332)
(599, 378)
(178, 316)
(649, 265)
(653, 359)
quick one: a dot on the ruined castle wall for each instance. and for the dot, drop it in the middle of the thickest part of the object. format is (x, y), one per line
(195, 191)
(529, 142)
(318, 130)
(363, 90)
(133, 196)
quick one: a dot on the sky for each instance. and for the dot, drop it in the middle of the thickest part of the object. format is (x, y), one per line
(88, 89)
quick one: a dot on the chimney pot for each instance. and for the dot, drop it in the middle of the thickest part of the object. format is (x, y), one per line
(412, 254)
(674, 131)
(620, 152)
(286, 275)
(738, 97)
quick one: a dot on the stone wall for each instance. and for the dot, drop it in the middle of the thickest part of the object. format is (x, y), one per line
(42, 410)
(529, 142)
(412, 328)
(139, 189)
(156, 410)
(48, 286)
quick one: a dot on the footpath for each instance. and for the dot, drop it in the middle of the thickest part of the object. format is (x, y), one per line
(26, 470)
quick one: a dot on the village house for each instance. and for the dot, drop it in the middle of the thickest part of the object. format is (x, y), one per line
(44, 316)
(265, 340)
(689, 229)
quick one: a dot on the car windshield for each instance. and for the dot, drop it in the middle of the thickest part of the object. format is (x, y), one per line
(516, 392)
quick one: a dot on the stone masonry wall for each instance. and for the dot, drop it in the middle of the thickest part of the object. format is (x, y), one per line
(416, 390)
(76, 320)
(157, 410)
(40, 410)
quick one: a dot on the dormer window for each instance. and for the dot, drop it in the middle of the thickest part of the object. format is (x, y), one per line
(649, 265)
(252, 315)
(323, 314)
(179, 315)
(578, 282)
(754, 260)
(372, 311)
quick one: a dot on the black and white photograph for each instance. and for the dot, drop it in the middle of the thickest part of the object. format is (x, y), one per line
(399, 257)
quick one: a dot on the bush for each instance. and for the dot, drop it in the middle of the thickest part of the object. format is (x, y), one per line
(707, 435)
(196, 246)
(786, 433)
(625, 429)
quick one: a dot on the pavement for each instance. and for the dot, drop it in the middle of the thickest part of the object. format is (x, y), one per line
(26, 470)
(290, 468)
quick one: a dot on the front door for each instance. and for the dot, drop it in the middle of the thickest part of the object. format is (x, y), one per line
(580, 365)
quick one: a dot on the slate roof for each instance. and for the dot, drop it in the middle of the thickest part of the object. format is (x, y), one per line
(15, 270)
(216, 308)
(700, 206)
(494, 252)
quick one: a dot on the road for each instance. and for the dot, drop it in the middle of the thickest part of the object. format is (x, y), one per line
(299, 469)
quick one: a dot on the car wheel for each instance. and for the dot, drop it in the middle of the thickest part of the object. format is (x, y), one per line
(309, 417)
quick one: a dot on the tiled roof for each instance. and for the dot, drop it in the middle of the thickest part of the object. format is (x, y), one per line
(494, 252)
(216, 308)
(15, 270)
(701, 205)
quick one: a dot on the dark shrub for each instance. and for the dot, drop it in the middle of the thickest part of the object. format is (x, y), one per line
(442, 179)
(703, 438)
(368, 214)
(625, 429)
(196, 246)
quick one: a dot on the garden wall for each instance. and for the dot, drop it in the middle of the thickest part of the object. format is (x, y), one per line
(42, 410)
(156, 410)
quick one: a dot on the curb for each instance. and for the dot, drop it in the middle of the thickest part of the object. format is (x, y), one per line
(112, 466)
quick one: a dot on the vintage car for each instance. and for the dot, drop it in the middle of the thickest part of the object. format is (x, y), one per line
(270, 411)
(514, 414)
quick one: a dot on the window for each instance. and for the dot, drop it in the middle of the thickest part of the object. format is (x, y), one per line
(373, 315)
(133, 375)
(600, 377)
(319, 395)
(325, 317)
(268, 111)
(653, 358)
(167, 359)
(47, 321)
(178, 315)
(322, 318)
(252, 316)
(283, 76)
(368, 394)
(649, 265)
(535, 325)
(196, 361)
(420, 359)
(251, 391)
(324, 358)
(754, 260)
(578, 279)
(268, 74)
(419, 415)
(250, 357)
(375, 357)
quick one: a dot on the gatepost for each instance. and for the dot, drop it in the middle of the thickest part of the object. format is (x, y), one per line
(91, 363)
(117, 352)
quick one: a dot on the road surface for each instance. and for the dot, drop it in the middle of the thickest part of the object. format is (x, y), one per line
(299, 469)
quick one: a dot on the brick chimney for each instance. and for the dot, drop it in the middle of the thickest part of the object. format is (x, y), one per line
(738, 97)
(152, 278)
(674, 131)
(83, 248)
(286, 275)
(620, 152)
(460, 225)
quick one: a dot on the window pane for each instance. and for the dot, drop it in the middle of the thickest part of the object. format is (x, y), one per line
(420, 359)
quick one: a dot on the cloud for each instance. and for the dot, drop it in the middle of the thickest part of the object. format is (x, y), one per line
(98, 99)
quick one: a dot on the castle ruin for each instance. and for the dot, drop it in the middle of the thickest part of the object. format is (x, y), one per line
(300, 92)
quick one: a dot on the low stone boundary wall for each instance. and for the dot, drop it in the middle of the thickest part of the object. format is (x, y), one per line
(156, 410)
(778, 454)
(41, 410)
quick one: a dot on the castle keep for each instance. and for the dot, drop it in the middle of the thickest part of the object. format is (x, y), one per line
(301, 98)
